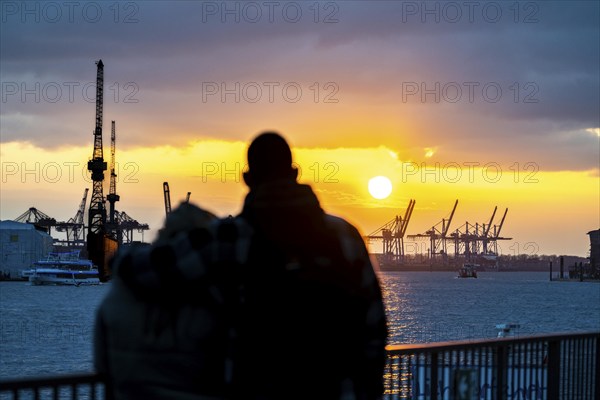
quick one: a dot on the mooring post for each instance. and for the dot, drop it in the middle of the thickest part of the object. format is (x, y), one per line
(562, 265)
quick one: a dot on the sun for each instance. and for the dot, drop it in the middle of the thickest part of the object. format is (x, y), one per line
(380, 187)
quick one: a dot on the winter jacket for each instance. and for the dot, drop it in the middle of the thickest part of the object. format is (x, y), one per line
(150, 342)
(312, 325)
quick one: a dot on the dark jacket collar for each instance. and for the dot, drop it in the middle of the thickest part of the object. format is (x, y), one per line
(280, 195)
(283, 207)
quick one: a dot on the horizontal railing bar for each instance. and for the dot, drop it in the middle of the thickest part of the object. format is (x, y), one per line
(51, 380)
(463, 344)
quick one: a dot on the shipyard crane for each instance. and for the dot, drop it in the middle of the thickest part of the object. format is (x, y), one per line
(113, 197)
(97, 165)
(99, 246)
(167, 195)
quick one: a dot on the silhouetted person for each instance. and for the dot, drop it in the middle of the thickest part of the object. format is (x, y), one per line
(312, 322)
(156, 336)
(280, 302)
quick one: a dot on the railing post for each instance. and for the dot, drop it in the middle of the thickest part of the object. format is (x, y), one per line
(434, 375)
(597, 369)
(501, 366)
(553, 369)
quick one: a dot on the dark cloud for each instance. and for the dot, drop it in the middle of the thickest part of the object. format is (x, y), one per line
(543, 55)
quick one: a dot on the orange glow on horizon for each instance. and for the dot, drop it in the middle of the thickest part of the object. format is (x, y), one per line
(211, 170)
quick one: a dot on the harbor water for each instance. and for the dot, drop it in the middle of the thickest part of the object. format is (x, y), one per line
(49, 329)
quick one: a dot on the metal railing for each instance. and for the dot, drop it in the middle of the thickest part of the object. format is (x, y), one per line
(82, 386)
(560, 366)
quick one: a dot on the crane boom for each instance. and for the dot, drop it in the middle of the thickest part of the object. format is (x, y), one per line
(78, 218)
(501, 223)
(98, 151)
(407, 215)
(167, 198)
(449, 219)
(487, 228)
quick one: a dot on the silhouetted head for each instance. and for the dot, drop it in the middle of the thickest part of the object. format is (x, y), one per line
(269, 158)
(186, 217)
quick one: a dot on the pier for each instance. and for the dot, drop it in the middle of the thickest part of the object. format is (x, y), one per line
(556, 366)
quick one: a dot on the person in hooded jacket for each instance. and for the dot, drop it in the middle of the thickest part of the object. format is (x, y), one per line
(157, 333)
(284, 300)
(312, 324)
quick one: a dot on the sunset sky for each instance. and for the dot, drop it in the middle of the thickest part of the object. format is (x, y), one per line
(490, 103)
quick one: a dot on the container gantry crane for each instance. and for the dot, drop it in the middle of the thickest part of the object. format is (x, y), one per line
(478, 240)
(126, 226)
(438, 235)
(74, 226)
(496, 235)
(37, 218)
(486, 231)
(392, 235)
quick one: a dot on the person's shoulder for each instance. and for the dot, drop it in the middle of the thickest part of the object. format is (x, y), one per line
(341, 226)
(350, 238)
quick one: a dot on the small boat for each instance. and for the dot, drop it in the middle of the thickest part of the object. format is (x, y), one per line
(506, 330)
(468, 271)
(26, 273)
(63, 269)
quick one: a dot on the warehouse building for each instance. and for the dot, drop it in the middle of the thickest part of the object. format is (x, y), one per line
(21, 244)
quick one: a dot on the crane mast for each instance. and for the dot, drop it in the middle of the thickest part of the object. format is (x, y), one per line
(112, 196)
(97, 165)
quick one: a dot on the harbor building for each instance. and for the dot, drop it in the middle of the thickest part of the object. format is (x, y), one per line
(21, 244)
(595, 249)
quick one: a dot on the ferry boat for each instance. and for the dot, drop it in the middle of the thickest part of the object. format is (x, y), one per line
(468, 271)
(63, 269)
